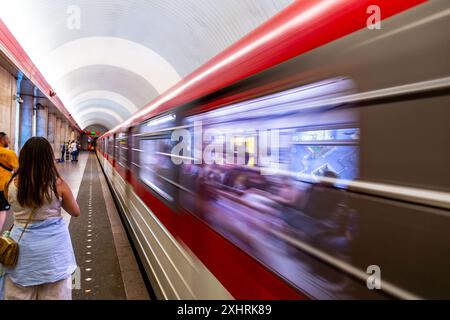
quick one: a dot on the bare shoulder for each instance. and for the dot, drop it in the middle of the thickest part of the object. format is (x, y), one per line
(61, 185)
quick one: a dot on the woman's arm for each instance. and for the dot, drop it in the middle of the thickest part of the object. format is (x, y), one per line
(68, 200)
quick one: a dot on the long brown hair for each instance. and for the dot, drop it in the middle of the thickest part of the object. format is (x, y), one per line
(37, 173)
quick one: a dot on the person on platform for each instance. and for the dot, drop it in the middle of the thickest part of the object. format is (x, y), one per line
(46, 259)
(8, 164)
(73, 150)
(63, 151)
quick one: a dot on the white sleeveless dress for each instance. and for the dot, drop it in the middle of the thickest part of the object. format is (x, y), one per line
(46, 258)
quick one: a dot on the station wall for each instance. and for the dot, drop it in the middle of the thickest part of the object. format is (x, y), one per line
(7, 103)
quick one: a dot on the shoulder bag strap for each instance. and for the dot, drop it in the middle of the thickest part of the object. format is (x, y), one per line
(26, 225)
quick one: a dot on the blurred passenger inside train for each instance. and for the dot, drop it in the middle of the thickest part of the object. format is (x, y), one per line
(46, 259)
(273, 215)
(316, 213)
(331, 222)
(8, 164)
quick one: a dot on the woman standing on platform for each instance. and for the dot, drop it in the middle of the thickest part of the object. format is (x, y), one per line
(46, 260)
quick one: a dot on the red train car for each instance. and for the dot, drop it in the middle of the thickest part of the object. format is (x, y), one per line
(308, 160)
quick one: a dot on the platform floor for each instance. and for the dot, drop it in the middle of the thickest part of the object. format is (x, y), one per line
(107, 266)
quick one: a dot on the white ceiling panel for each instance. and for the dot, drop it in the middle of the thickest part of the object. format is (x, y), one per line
(111, 57)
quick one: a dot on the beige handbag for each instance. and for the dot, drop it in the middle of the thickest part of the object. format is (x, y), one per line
(9, 249)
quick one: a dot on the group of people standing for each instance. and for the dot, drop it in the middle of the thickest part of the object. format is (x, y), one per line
(32, 189)
(73, 148)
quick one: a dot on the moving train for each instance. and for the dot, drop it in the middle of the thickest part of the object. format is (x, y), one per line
(309, 160)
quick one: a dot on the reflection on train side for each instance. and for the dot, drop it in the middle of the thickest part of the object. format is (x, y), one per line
(265, 214)
(299, 219)
(252, 209)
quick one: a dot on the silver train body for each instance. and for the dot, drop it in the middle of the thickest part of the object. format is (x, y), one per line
(391, 87)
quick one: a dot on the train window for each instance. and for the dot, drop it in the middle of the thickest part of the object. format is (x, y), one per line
(116, 150)
(267, 212)
(315, 152)
(111, 146)
(135, 151)
(122, 149)
(153, 156)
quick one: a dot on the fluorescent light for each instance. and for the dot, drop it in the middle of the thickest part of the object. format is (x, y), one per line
(306, 97)
(161, 120)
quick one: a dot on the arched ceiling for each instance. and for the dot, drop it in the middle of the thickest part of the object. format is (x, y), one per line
(108, 58)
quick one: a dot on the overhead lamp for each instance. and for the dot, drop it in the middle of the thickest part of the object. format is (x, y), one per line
(161, 120)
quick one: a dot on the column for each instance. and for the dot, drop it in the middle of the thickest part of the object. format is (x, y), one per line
(7, 104)
(58, 134)
(67, 131)
(34, 119)
(14, 113)
(16, 118)
(51, 132)
(63, 130)
(42, 121)
(26, 119)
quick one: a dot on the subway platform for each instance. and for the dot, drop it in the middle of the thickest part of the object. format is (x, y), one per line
(108, 269)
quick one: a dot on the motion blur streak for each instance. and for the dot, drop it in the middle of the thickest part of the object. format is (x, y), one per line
(362, 181)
